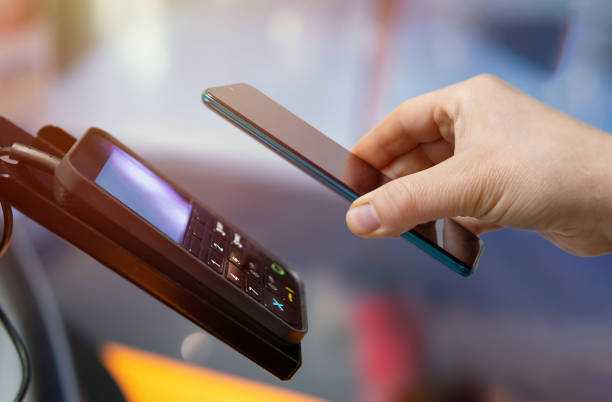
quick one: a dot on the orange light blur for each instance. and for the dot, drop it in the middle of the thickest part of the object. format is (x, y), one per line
(146, 377)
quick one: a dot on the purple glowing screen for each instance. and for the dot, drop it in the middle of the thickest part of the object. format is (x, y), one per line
(145, 193)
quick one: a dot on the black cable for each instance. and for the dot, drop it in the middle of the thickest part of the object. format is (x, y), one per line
(21, 351)
(40, 160)
(12, 332)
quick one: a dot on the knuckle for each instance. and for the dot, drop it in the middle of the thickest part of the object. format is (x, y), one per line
(487, 81)
(475, 93)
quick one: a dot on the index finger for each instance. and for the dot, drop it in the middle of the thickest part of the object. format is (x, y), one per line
(409, 125)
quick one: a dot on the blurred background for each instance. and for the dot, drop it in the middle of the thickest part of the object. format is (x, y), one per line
(387, 323)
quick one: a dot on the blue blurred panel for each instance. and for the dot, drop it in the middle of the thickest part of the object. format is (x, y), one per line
(539, 40)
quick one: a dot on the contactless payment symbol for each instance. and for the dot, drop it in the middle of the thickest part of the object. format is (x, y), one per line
(278, 269)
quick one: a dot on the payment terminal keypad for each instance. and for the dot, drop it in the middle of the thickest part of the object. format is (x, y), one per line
(232, 256)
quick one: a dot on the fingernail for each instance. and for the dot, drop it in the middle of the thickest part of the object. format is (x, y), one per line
(363, 219)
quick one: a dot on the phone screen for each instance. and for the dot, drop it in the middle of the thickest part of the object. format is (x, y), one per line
(145, 193)
(335, 166)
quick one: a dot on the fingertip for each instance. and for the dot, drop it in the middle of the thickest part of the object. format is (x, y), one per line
(362, 219)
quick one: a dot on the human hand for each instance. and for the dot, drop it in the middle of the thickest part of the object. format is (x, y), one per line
(489, 154)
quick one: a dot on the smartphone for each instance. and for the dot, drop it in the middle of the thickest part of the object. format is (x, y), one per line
(225, 282)
(334, 166)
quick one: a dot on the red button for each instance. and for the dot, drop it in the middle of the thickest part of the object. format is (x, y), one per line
(235, 275)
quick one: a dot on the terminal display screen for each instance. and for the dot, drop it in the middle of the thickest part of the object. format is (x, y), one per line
(145, 193)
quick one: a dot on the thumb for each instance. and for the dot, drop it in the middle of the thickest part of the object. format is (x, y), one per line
(444, 190)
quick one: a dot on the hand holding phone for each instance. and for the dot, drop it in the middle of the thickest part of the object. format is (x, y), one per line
(332, 165)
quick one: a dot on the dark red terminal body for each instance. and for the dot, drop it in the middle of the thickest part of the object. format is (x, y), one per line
(168, 271)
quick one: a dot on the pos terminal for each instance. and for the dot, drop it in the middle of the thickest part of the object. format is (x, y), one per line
(113, 205)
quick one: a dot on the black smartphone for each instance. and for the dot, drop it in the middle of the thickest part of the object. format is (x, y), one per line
(334, 166)
(258, 302)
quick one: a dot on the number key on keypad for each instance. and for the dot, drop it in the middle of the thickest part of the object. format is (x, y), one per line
(215, 261)
(236, 257)
(272, 287)
(235, 275)
(220, 229)
(237, 241)
(198, 229)
(195, 246)
(218, 243)
(254, 290)
(254, 277)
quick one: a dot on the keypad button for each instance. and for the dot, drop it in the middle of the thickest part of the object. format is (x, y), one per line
(235, 275)
(195, 246)
(272, 284)
(236, 257)
(254, 276)
(278, 269)
(273, 302)
(198, 229)
(218, 243)
(253, 265)
(215, 261)
(237, 241)
(272, 287)
(220, 229)
(278, 307)
(254, 290)
(290, 297)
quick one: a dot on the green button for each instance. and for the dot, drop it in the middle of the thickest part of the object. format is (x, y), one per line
(278, 269)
